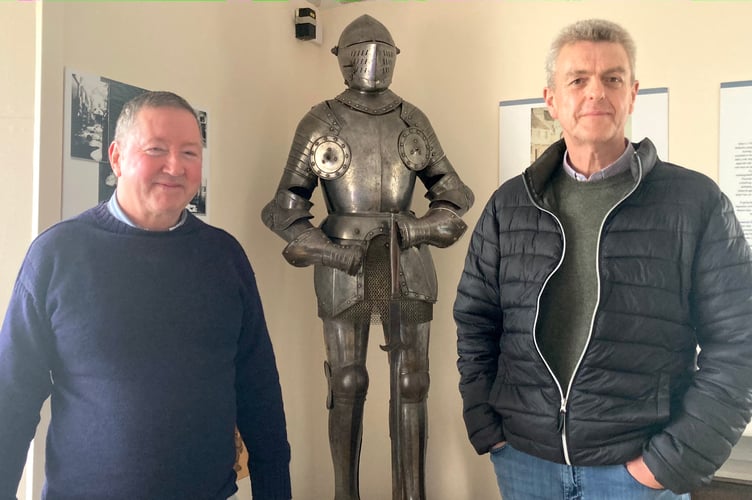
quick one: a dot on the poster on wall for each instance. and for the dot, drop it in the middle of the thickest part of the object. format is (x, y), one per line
(526, 129)
(92, 106)
(735, 149)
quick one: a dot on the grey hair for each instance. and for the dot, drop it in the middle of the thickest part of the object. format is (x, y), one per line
(590, 30)
(152, 99)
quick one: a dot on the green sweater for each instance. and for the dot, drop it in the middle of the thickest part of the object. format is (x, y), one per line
(569, 299)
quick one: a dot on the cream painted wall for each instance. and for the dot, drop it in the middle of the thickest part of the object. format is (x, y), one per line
(459, 59)
(16, 137)
(17, 45)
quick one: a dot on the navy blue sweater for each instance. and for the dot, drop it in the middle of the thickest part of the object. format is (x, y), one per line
(153, 346)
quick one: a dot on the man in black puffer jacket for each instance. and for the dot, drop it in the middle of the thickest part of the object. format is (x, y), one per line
(590, 282)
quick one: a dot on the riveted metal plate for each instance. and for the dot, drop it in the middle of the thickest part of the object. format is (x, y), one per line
(330, 157)
(413, 148)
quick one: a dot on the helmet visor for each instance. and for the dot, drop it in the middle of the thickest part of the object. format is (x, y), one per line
(368, 65)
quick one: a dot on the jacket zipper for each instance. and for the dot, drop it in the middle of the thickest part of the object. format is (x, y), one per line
(562, 417)
(561, 426)
(561, 422)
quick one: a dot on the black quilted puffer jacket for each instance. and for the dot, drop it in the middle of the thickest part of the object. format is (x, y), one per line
(674, 272)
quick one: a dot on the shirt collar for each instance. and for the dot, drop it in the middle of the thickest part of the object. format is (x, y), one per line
(117, 211)
(616, 168)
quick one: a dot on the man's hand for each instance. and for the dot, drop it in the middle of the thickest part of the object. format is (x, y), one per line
(640, 472)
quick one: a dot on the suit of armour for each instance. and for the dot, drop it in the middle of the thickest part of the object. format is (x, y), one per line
(366, 148)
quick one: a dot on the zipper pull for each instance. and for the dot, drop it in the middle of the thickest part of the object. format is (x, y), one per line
(562, 416)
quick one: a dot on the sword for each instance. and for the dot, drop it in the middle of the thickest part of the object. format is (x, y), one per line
(395, 349)
(394, 340)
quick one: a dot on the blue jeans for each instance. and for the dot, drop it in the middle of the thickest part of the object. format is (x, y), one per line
(524, 477)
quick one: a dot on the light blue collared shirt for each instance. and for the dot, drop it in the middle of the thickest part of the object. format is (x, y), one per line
(117, 211)
(617, 167)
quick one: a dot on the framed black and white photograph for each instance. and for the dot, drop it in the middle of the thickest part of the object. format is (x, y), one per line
(88, 98)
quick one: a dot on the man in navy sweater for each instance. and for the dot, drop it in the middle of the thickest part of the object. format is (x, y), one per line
(144, 326)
